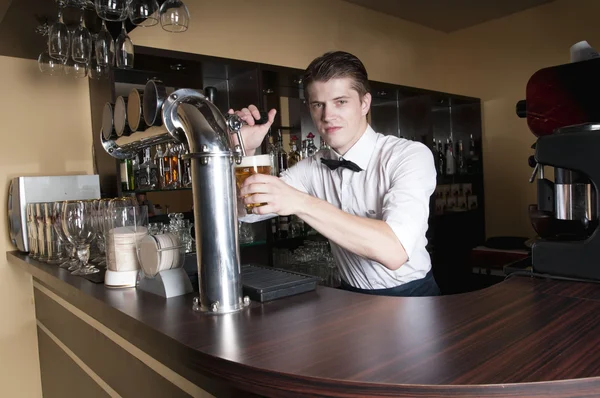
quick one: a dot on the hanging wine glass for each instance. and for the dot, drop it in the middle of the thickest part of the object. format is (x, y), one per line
(104, 47)
(174, 16)
(58, 39)
(143, 13)
(75, 69)
(124, 49)
(95, 71)
(112, 10)
(81, 43)
(49, 65)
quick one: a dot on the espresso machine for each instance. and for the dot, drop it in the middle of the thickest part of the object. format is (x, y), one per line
(188, 117)
(562, 110)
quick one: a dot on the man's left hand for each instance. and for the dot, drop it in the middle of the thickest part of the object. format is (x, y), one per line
(281, 198)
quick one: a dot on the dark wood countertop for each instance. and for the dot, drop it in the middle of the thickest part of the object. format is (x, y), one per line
(521, 337)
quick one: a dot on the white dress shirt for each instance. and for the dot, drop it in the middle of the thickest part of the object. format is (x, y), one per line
(395, 186)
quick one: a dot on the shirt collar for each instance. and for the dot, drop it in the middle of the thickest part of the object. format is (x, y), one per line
(361, 151)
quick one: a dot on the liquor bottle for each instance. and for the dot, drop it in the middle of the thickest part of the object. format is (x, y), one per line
(167, 177)
(159, 161)
(473, 163)
(174, 165)
(311, 149)
(293, 156)
(127, 180)
(450, 161)
(460, 158)
(282, 158)
(303, 154)
(136, 171)
(272, 151)
(441, 159)
(323, 144)
(436, 158)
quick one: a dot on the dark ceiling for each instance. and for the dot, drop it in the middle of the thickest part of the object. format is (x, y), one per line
(20, 18)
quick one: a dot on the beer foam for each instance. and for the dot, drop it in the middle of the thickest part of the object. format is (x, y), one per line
(255, 161)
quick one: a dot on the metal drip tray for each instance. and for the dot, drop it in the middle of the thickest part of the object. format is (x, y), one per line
(265, 283)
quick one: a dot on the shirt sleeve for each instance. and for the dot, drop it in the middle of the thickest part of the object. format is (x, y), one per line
(297, 176)
(406, 204)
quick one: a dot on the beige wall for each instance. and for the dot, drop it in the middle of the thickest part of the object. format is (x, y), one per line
(293, 32)
(494, 61)
(45, 131)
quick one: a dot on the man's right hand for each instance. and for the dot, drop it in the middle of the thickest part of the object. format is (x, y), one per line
(253, 134)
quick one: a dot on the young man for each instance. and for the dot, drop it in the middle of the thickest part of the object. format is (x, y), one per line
(369, 195)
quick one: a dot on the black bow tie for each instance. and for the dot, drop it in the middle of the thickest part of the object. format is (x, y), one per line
(334, 164)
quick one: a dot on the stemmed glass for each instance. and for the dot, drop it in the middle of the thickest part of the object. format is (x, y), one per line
(100, 208)
(111, 10)
(32, 231)
(78, 226)
(174, 16)
(143, 12)
(124, 49)
(81, 42)
(72, 264)
(77, 69)
(104, 47)
(49, 65)
(58, 39)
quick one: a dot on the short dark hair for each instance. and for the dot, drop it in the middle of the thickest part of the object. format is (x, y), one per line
(336, 64)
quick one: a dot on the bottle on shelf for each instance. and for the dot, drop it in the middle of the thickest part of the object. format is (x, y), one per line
(159, 161)
(436, 159)
(272, 151)
(282, 157)
(311, 149)
(460, 158)
(450, 161)
(323, 144)
(167, 167)
(441, 159)
(473, 162)
(137, 177)
(293, 156)
(127, 178)
(303, 154)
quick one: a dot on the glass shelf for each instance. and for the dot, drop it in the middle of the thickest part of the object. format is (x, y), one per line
(157, 190)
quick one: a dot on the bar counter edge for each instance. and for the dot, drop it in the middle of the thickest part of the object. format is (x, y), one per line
(522, 337)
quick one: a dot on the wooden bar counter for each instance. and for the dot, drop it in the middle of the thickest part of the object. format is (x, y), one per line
(522, 337)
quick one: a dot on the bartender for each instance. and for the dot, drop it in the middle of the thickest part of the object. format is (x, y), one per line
(369, 194)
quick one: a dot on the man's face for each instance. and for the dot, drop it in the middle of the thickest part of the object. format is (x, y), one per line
(338, 112)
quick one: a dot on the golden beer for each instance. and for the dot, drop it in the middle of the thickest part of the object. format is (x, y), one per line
(258, 164)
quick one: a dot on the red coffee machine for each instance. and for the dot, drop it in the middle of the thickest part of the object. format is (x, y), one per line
(562, 108)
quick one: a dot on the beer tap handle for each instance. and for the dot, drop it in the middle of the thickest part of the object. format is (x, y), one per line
(234, 122)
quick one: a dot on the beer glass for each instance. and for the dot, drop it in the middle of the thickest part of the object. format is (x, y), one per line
(258, 164)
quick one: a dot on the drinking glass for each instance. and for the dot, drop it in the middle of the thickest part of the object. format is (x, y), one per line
(143, 12)
(124, 49)
(32, 231)
(75, 69)
(257, 164)
(40, 216)
(78, 226)
(54, 245)
(111, 10)
(81, 43)
(58, 39)
(95, 71)
(174, 16)
(72, 263)
(49, 65)
(104, 47)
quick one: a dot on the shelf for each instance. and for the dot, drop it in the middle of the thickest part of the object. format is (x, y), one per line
(458, 178)
(157, 190)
